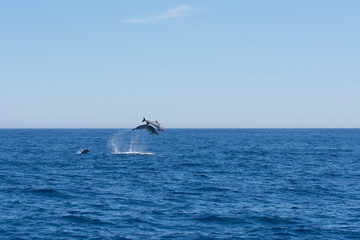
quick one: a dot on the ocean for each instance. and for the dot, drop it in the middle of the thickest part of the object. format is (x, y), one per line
(182, 184)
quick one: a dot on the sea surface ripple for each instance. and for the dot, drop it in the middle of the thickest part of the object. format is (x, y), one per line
(182, 184)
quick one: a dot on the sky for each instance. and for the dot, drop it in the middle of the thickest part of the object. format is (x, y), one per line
(187, 64)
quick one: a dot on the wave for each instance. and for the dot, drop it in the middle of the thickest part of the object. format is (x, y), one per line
(85, 219)
(214, 218)
(49, 192)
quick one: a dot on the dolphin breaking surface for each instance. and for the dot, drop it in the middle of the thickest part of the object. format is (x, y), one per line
(117, 144)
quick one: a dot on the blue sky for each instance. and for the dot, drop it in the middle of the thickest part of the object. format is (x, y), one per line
(237, 64)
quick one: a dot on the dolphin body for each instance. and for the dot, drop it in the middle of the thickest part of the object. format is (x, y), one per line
(156, 124)
(148, 128)
(84, 151)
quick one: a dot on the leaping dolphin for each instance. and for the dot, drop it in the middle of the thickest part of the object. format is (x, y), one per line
(147, 127)
(156, 124)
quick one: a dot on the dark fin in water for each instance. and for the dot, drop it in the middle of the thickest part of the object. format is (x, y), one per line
(143, 119)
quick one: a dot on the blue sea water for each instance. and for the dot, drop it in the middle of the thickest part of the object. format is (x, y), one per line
(182, 184)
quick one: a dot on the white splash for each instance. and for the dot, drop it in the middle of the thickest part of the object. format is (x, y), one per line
(125, 142)
(140, 153)
(114, 146)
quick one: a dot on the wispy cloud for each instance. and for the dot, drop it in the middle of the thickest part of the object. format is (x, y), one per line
(173, 13)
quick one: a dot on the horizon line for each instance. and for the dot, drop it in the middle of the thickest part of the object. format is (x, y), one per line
(110, 128)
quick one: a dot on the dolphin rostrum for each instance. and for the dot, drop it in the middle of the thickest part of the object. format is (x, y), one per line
(147, 127)
(156, 124)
